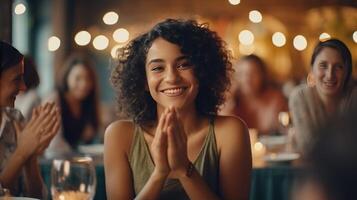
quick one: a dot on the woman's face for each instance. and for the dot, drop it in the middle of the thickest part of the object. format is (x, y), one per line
(249, 77)
(170, 76)
(11, 83)
(80, 82)
(329, 72)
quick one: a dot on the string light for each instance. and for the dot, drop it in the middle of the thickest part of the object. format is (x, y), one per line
(121, 35)
(246, 37)
(100, 42)
(53, 43)
(20, 9)
(354, 36)
(110, 18)
(255, 16)
(278, 39)
(82, 38)
(234, 2)
(300, 42)
(324, 36)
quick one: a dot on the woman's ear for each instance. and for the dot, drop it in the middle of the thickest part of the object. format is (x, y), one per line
(310, 80)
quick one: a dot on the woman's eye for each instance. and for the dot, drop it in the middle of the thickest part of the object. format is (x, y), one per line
(322, 65)
(185, 65)
(157, 68)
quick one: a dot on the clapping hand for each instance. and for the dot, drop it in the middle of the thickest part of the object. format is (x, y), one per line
(169, 147)
(36, 135)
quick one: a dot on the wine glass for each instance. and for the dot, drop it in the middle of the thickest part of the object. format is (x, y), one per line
(73, 178)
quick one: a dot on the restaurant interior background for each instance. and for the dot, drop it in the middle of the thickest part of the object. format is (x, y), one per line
(282, 32)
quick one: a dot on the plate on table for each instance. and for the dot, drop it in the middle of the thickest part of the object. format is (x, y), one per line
(94, 149)
(273, 140)
(281, 158)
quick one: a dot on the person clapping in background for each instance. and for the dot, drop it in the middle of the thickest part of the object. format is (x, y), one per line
(21, 144)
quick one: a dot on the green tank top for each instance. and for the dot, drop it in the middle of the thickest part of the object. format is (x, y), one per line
(207, 164)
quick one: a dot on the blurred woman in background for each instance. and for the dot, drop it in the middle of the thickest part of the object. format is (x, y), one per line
(253, 98)
(77, 98)
(329, 91)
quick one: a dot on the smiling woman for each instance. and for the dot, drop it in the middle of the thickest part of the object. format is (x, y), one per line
(330, 91)
(170, 82)
(21, 144)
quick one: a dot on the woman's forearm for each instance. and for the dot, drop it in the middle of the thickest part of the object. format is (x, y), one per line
(12, 170)
(33, 180)
(153, 187)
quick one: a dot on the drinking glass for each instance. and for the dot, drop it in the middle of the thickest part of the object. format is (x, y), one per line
(73, 178)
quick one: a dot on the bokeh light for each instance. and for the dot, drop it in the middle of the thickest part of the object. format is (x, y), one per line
(82, 38)
(324, 36)
(354, 36)
(278, 39)
(300, 42)
(255, 16)
(110, 18)
(246, 49)
(234, 2)
(246, 37)
(20, 9)
(53, 43)
(100, 42)
(121, 35)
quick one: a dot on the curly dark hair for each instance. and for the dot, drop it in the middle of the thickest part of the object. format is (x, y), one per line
(203, 47)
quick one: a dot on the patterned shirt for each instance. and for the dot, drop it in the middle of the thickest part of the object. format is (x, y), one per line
(8, 139)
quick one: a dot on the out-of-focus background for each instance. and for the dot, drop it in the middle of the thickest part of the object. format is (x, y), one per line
(282, 32)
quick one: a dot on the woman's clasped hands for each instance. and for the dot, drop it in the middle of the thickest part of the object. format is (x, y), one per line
(35, 136)
(169, 146)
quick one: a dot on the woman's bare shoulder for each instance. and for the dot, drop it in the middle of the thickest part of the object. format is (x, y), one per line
(119, 133)
(230, 127)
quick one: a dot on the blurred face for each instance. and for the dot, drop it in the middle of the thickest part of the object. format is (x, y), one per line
(329, 72)
(170, 76)
(249, 77)
(11, 83)
(80, 82)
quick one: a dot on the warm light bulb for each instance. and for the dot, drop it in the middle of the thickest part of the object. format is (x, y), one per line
(53, 43)
(255, 16)
(110, 18)
(100, 42)
(324, 36)
(20, 9)
(279, 39)
(300, 42)
(354, 36)
(246, 37)
(121, 35)
(234, 2)
(82, 38)
(114, 51)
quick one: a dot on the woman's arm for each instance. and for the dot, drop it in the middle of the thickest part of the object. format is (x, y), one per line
(235, 164)
(235, 158)
(117, 168)
(34, 185)
(118, 178)
(31, 141)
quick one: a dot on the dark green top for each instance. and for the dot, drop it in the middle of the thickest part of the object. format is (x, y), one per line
(207, 164)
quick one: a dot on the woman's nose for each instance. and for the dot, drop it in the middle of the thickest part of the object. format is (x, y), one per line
(172, 75)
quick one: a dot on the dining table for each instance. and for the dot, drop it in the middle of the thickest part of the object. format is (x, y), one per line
(269, 181)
